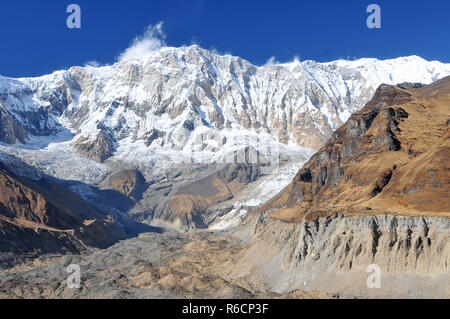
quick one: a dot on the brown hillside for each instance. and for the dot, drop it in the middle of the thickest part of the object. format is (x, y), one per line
(390, 157)
(44, 216)
(193, 200)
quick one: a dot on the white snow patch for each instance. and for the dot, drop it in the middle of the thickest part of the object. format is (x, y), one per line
(230, 220)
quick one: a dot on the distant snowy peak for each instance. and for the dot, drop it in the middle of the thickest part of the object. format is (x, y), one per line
(393, 71)
(191, 99)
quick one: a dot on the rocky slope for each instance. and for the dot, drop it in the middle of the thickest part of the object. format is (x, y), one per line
(390, 157)
(332, 255)
(41, 216)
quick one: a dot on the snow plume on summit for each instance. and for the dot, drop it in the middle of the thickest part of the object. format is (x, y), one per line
(142, 46)
(271, 61)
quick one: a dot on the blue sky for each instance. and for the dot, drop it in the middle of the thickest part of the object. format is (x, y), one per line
(35, 40)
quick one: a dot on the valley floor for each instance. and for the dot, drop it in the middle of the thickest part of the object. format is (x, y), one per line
(152, 265)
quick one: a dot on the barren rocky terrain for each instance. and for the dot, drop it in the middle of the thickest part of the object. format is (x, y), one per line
(160, 264)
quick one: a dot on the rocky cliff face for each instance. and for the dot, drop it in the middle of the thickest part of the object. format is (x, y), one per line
(332, 254)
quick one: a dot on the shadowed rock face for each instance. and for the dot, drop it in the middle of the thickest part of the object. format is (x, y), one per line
(98, 149)
(408, 85)
(153, 135)
(392, 156)
(42, 216)
(10, 130)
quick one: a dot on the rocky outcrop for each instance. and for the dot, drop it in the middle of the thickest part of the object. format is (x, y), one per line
(153, 135)
(98, 149)
(409, 85)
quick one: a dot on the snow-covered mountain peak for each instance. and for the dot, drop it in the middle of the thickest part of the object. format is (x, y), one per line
(190, 99)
